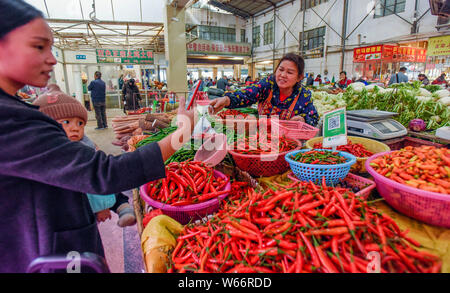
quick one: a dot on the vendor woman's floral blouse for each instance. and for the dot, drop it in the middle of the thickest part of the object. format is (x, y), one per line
(261, 91)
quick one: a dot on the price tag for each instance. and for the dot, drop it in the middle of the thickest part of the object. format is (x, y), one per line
(335, 128)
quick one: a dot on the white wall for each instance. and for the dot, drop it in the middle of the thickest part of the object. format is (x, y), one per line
(199, 16)
(70, 57)
(376, 30)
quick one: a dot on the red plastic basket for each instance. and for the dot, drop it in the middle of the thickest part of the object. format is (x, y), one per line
(429, 207)
(366, 186)
(295, 129)
(263, 165)
(188, 213)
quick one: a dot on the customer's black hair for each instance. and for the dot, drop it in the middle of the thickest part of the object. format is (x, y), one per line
(14, 14)
(297, 59)
(402, 68)
(344, 72)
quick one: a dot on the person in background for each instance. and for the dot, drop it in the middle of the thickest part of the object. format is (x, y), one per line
(131, 96)
(424, 79)
(326, 80)
(44, 175)
(68, 112)
(279, 94)
(310, 79)
(97, 88)
(222, 83)
(208, 82)
(248, 80)
(87, 102)
(440, 80)
(318, 79)
(399, 77)
(344, 82)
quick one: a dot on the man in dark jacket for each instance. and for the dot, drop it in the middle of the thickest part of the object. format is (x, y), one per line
(97, 88)
(223, 83)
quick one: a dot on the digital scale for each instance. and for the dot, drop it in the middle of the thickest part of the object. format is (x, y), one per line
(374, 124)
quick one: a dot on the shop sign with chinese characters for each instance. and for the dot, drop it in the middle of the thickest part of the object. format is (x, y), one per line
(439, 46)
(124, 56)
(389, 53)
(218, 48)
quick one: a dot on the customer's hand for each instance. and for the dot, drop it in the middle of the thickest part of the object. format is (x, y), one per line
(185, 118)
(298, 118)
(219, 104)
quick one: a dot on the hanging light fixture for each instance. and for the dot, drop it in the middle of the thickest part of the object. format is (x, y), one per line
(92, 15)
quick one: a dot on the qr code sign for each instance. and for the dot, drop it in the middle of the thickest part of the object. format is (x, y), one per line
(334, 123)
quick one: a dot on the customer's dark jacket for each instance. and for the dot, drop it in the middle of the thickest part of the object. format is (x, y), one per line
(131, 96)
(222, 84)
(43, 180)
(98, 91)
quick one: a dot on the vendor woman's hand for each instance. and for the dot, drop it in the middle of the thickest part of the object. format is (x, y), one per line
(219, 104)
(298, 118)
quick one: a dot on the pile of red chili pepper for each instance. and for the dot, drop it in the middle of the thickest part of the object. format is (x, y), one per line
(425, 167)
(231, 112)
(319, 158)
(300, 228)
(356, 149)
(256, 145)
(187, 183)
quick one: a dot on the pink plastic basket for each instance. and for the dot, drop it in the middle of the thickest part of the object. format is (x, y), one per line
(429, 207)
(263, 165)
(295, 129)
(185, 214)
(366, 186)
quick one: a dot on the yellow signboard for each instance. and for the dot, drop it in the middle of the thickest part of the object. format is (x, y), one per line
(439, 46)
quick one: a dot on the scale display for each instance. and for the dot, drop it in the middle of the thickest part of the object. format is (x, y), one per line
(374, 124)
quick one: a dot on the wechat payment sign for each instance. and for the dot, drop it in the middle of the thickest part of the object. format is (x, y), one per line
(335, 128)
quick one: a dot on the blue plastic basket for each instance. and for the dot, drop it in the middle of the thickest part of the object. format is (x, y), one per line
(312, 172)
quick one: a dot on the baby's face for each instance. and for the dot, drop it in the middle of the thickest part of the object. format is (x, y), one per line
(74, 127)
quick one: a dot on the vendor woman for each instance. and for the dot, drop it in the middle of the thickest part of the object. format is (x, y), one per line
(280, 94)
(44, 176)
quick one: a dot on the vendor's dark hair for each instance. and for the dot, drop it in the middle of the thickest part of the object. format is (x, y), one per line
(14, 14)
(297, 59)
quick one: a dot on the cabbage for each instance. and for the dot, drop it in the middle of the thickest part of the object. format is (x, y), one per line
(417, 125)
(424, 92)
(445, 101)
(442, 93)
(424, 99)
(357, 86)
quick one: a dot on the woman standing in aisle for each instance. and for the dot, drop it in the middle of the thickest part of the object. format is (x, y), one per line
(43, 175)
(278, 94)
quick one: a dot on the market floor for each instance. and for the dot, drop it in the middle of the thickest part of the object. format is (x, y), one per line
(122, 245)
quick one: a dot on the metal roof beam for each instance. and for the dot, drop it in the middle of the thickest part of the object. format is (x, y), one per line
(57, 20)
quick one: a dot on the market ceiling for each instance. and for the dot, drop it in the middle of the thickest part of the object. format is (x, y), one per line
(245, 8)
(117, 24)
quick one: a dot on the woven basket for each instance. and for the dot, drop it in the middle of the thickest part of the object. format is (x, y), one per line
(315, 172)
(262, 165)
(188, 213)
(429, 207)
(370, 145)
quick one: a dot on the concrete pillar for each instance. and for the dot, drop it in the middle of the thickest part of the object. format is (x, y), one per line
(175, 48)
(214, 72)
(252, 71)
(78, 83)
(199, 71)
(237, 71)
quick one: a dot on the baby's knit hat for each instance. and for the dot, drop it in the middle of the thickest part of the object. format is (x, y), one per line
(59, 105)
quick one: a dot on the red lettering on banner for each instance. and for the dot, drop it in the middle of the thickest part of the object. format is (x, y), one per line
(115, 53)
(108, 53)
(136, 54)
(195, 46)
(101, 53)
(149, 54)
(123, 54)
